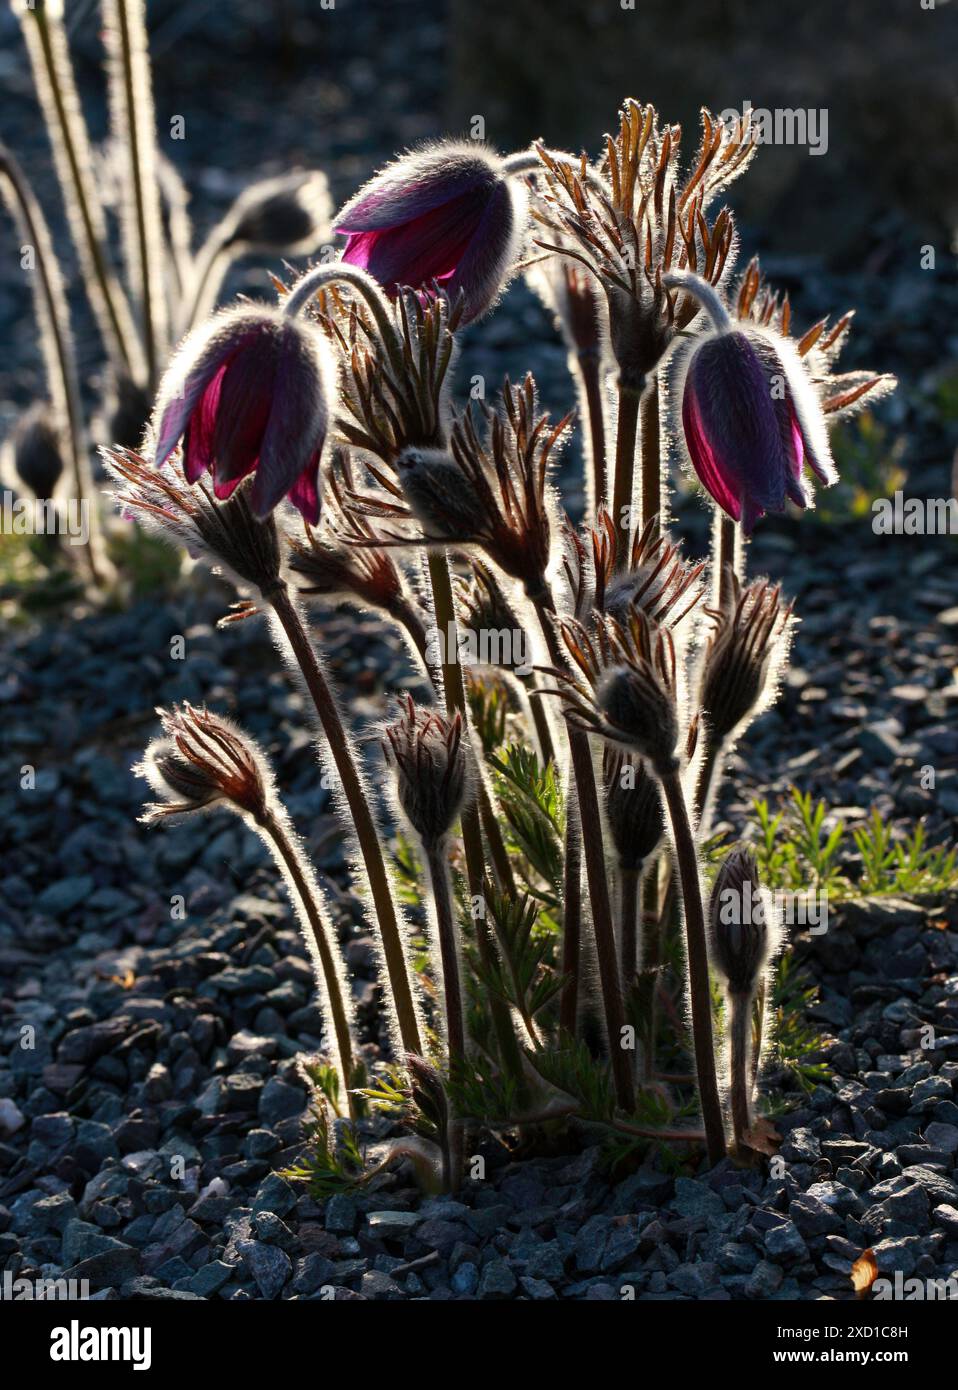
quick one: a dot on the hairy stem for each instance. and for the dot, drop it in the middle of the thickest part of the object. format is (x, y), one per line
(56, 344)
(698, 965)
(727, 557)
(630, 893)
(306, 891)
(571, 911)
(455, 694)
(446, 933)
(590, 381)
(740, 1078)
(53, 76)
(367, 834)
(625, 441)
(651, 450)
(597, 878)
(131, 102)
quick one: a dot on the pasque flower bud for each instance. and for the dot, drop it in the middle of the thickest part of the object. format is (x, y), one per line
(203, 761)
(440, 496)
(446, 214)
(288, 215)
(747, 645)
(739, 929)
(427, 751)
(36, 451)
(633, 808)
(640, 712)
(249, 393)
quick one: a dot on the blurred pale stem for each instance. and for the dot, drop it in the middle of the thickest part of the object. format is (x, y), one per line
(56, 342)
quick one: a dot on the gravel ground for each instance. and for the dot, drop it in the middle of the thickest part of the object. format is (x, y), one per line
(128, 1038)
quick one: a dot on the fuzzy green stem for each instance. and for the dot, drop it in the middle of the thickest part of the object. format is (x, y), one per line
(367, 834)
(291, 861)
(700, 996)
(597, 878)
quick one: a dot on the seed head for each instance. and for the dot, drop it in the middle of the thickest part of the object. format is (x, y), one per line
(202, 761)
(427, 753)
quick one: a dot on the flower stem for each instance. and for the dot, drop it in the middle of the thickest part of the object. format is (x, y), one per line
(698, 965)
(596, 875)
(56, 343)
(387, 915)
(625, 440)
(455, 695)
(651, 450)
(571, 911)
(727, 557)
(306, 892)
(740, 1027)
(590, 380)
(56, 89)
(630, 894)
(438, 870)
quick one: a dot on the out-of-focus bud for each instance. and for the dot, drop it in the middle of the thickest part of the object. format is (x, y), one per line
(288, 215)
(202, 761)
(429, 758)
(738, 922)
(127, 412)
(36, 451)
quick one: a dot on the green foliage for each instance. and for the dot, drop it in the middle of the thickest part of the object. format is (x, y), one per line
(481, 1093)
(797, 851)
(794, 1041)
(570, 1067)
(524, 976)
(332, 1161)
(145, 562)
(532, 807)
(489, 706)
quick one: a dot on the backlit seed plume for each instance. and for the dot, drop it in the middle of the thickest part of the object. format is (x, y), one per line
(223, 534)
(445, 214)
(628, 692)
(203, 760)
(841, 393)
(655, 579)
(649, 219)
(426, 750)
(751, 417)
(249, 393)
(746, 648)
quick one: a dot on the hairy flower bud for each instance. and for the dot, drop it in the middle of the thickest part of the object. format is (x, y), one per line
(640, 712)
(429, 758)
(737, 918)
(440, 496)
(633, 807)
(204, 760)
(289, 215)
(36, 451)
(746, 646)
(446, 214)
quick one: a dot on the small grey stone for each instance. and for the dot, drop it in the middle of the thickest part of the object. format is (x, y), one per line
(269, 1266)
(496, 1281)
(785, 1242)
(341, 1215)
(211, 1278)
(942, 1136)
(465, 1279)
(392, 1225)
(694, 1198)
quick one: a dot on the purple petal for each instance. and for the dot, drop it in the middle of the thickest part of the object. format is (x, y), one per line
(296, 429)
(416, 185)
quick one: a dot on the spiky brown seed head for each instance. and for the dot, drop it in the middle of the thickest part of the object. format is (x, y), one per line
(203, 760)
(427, 752)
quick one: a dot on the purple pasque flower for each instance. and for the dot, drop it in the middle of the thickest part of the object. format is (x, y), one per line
(249, 392)
(751, 416)
(447, 213)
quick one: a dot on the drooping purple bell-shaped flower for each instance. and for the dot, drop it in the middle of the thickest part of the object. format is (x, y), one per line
(446, 213)
(249, 392)
(751, 416)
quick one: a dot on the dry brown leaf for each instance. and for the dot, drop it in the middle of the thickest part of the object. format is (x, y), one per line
(864, 1272)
